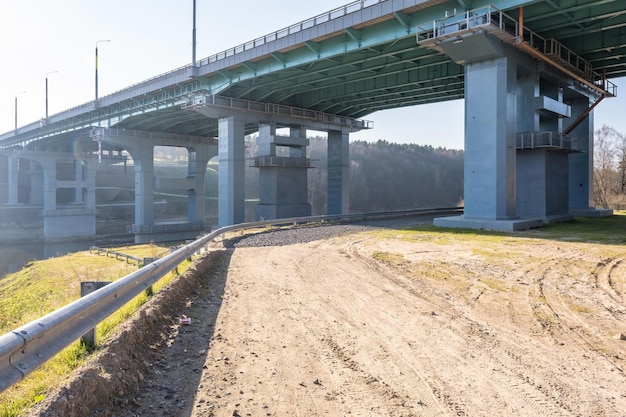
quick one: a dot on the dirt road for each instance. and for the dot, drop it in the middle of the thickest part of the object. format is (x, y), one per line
(410, 325)
(390, 322)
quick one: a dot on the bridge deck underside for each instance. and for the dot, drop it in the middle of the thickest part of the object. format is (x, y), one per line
(355, 71)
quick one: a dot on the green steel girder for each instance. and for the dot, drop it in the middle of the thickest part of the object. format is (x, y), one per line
(372, 66)
(312, 76)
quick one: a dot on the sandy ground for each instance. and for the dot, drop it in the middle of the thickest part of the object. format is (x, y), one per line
(430, 329)
(392, 323)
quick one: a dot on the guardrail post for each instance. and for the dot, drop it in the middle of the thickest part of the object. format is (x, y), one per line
(89, 338)
(146, 261)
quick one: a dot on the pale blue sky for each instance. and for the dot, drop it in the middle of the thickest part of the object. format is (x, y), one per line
(150, 37)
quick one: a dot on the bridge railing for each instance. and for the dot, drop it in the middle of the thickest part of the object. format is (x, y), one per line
(290, 30)
(28, 347)
(281, 33)
(557, 140)
(201, 98)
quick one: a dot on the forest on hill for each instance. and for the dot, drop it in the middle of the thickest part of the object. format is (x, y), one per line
(385, 176)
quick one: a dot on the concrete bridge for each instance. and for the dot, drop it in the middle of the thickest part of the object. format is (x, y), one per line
(530, 72)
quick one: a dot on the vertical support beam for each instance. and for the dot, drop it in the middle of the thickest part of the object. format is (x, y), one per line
(78, 177)
(581, 164)
(36, 183)
(338, 172)
(143, 158)
(527, 117)
(265, 142)
(91, 167)
(49, 167)
(12, 179)
(231, 208)
(489, 190)
(196, 203)
(297, 151)
(4, 179)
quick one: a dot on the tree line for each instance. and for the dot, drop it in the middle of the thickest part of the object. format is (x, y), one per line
(385, 176)
(609, 168)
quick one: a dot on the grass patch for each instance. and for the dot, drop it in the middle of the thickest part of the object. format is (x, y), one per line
(44, 286)
(610, 230)
(495, 284)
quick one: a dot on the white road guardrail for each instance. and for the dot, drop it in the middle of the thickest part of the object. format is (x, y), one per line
(28, 347)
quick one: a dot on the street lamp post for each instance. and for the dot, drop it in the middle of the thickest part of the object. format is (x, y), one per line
(97, 42)
(16, 94)
(50, 72)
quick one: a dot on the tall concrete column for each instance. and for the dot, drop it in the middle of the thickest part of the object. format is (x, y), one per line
(489, 175)
(143, 158)
(581, 164)
(283, 186)
(528, 87)
(231, 152)
(78, 176)
(196, 203)
(12, 179)
(338, 172)
(91, 167)
(49, 168)
(36, 183)
(4, 179)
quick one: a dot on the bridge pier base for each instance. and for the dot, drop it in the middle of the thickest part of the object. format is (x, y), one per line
(141, 145)
(520, 169)
(282, 178)
(56, 180)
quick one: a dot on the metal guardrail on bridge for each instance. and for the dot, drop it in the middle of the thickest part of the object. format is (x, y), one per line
(494, 21)
(26, 348)
(184, 70)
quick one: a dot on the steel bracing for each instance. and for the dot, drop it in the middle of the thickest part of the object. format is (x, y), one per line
(352, 61)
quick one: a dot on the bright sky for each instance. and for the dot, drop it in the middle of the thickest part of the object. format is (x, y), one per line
(150, 37)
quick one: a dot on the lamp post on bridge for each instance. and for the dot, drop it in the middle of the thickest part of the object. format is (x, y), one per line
(97, 42)
(16, 94)
(49, 72)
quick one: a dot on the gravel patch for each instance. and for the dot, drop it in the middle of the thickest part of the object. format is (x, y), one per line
(295, 235)
(310, 233)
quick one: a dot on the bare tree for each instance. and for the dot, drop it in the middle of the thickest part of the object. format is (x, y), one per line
(605, 170)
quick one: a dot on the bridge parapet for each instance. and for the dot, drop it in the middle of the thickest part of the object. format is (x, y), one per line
(226, 105)
(491, 20)
(280, 161)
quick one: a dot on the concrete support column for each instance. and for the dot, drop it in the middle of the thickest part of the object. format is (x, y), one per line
(49, 168)
(4, 179)
(12, 179)
(91, 167)
(36, 183)
(298, 151)
(489, 191)
(338, 172)
(581, 164)
(528, 90)
(196, 204)
(265, 142)
(143, 158)
(78, 176)
(231, 153)
(283, 187)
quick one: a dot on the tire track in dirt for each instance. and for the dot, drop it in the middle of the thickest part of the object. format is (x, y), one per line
(555, 394)
(479, 339)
